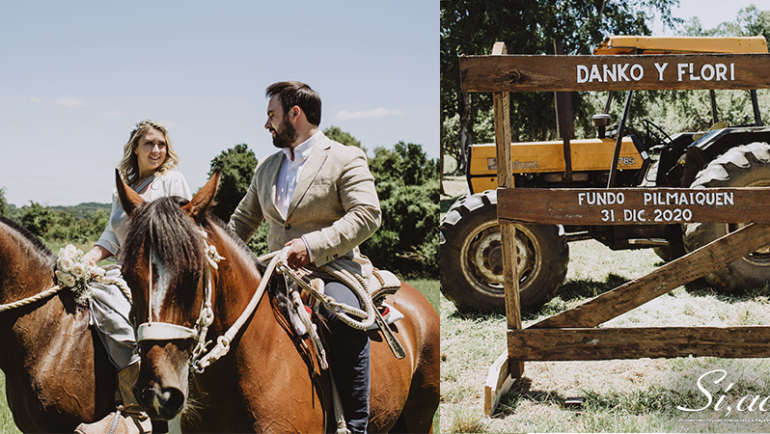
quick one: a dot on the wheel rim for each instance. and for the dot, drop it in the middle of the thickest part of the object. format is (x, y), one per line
(761, 256)
(482, 261)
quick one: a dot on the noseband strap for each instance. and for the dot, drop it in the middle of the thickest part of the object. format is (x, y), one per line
(163, 331)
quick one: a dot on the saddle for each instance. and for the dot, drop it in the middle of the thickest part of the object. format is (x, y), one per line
(369, 292)
(384, 284)
(389, 284)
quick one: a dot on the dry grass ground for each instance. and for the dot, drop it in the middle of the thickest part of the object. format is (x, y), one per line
(619, 395)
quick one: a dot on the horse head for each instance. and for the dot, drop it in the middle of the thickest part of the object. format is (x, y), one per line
(166, 264)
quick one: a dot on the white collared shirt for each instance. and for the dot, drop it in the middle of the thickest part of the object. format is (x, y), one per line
(289, 173)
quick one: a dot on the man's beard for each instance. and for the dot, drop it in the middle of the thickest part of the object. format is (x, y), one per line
(286, 134)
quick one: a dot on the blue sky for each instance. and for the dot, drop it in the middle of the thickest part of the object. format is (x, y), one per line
(76, 76)
(710, 12)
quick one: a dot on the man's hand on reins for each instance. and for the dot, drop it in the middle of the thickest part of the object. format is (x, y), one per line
(297, 254)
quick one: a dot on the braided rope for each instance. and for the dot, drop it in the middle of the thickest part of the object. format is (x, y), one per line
(122, 285)
(342, 310)
(355, 282)
(73, 274)
(30, 300)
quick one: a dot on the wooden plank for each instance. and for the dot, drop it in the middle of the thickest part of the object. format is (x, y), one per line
(498, 383)
(565, 119)
(502, 106)
(539, 73)
(625, 44)
(687, 268)
(638, 342)
(634, 206)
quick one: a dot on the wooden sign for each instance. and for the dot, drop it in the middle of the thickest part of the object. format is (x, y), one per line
(634, 206)
(581, 73)
(547, 339)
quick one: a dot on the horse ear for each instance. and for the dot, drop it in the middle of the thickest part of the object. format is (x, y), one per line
(203, 198)
(129, 199)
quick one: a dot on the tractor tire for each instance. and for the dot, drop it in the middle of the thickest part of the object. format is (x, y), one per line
(741, 166)
(471, 262)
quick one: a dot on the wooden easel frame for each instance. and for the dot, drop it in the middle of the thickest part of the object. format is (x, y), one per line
(571, 335)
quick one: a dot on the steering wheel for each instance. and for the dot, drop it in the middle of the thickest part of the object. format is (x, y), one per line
(655, 131)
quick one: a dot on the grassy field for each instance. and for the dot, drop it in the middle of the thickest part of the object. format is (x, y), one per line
(619, 395)
(6, 418)
(431, 290)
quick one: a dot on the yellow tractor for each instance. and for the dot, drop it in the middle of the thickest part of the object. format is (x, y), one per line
(734, 156)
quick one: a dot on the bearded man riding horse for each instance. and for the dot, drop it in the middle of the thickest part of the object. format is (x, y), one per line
(319, 198)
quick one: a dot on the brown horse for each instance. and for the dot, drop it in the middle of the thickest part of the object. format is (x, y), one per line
(263, 383)
(56, 374)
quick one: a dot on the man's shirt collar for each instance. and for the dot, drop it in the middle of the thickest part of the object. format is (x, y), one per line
(302, 151)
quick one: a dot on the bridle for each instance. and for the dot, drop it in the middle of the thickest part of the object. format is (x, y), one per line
(164, 331)
(202, 356)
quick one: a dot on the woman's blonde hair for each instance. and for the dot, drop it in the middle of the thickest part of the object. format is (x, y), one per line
(129, 166)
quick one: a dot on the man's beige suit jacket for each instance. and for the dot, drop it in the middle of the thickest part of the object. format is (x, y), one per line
(334, 206)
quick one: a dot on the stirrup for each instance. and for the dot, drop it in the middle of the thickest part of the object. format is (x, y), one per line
(125, 419)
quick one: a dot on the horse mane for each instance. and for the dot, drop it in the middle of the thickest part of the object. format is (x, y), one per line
(29, 236)
(173, 235)
(213, 219)
(169, 231)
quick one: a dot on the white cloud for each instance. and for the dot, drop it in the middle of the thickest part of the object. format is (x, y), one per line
(70, 102)
(112, 114)
(34, 100)
(376, 113)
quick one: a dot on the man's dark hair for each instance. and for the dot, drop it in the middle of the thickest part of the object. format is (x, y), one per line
(293, 93)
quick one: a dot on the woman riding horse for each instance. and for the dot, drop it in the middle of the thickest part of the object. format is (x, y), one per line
(57, 375)
(148, 166)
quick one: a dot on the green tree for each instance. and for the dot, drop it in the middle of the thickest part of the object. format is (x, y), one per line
(408, 189)
(36, 218)
(750, 21)
(258, 242)
(80, 223)
(472, 26)
(336, 134)
(237, 166)
(691, 110)
(3, 203)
